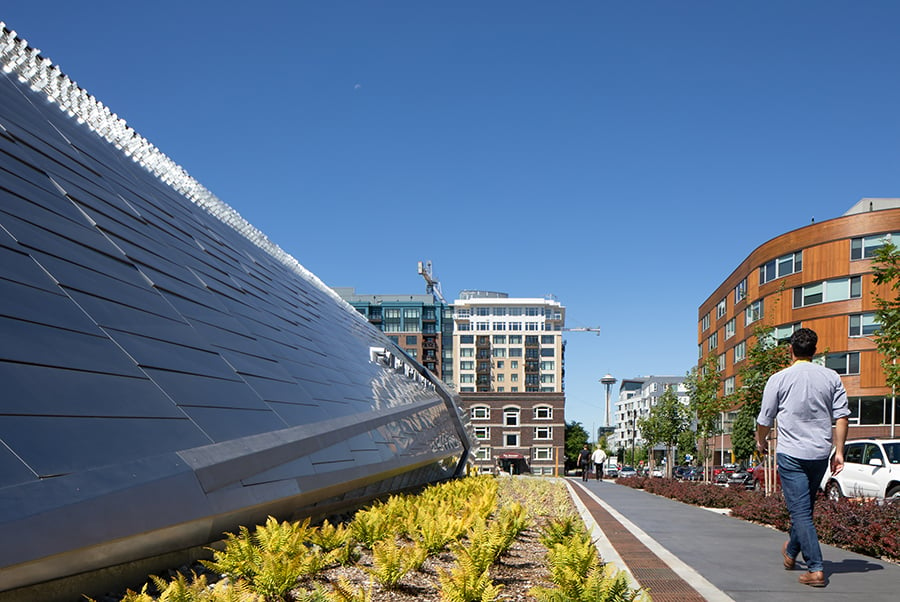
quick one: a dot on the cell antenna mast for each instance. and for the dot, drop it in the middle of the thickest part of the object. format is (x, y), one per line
(432, 285)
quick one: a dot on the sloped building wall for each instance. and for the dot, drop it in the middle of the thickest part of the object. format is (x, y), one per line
(166, 376)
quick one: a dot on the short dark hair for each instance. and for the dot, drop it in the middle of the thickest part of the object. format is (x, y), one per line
(803, 342)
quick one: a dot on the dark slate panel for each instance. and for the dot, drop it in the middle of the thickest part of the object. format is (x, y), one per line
(245, 363)
(110, 314)
(49, 346)
(39, 390)
(289, 471)
(222, 424)
(12, 470)
(276, 390)
(296, 414)
(193, 390)
(154, 353)
(42, 306)
(21, 268)
(59, 445)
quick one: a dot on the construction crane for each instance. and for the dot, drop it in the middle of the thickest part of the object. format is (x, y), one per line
(582, 329)
(432, 284)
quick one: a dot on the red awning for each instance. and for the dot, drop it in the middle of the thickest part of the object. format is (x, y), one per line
(512, 457)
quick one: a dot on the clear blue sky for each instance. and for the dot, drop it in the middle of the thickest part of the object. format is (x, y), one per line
(623, 156)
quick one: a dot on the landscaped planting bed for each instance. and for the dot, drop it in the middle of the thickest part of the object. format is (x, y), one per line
(870, 527)
(473, 539)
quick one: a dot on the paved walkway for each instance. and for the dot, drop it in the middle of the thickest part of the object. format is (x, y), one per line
(685, 553)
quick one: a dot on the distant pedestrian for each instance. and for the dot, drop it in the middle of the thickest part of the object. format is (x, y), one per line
(599, 459)
(584, 461)
(804, 398)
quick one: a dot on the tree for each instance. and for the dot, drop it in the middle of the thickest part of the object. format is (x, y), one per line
(764, 358)
(576, 437)
(702, 384)
(687, 445)
(667, 420)
(886, 274)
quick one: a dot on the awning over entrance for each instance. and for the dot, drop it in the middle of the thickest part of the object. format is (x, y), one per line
(512, 457)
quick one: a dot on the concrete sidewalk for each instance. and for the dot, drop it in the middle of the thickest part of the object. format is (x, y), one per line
(681, 552)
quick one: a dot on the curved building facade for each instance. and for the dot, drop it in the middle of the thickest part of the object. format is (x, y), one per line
(819, 277)
(168, 372)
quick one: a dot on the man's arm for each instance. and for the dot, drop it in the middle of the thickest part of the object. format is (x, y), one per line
(840, 436)
(762, 433)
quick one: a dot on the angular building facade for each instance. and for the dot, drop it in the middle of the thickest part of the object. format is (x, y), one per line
(508, 358)
(820, 277)
(168, 372)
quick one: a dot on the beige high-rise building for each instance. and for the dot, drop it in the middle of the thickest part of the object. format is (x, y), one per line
(508, 358)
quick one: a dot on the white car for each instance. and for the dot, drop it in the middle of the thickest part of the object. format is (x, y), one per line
(871, 470)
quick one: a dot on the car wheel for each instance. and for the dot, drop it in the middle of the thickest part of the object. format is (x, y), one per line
(756, 485)
(833, 491)
(893, 493)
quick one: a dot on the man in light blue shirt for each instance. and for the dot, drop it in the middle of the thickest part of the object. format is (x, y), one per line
(805, 398)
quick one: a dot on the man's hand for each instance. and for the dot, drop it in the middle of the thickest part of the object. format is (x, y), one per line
(837, 462)
(762, 447)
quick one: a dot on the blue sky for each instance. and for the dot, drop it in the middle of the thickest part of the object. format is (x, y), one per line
(623, 156)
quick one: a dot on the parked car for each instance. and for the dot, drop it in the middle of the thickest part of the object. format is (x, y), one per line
(678, 471)
(627, 471)
(741, 477)
(692, 473)
(657, 472)
(871, 470)
(610, 471)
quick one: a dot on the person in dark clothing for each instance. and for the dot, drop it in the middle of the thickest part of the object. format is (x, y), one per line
(584, 461)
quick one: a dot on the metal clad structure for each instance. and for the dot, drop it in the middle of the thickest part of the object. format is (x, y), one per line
(167, 372)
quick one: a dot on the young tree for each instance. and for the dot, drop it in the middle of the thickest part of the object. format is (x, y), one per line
(764, 358)
(576, 437)
(667, 420)
(703, 384)
(886, 274)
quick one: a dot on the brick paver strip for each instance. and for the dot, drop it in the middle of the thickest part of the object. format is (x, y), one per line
(648, 569)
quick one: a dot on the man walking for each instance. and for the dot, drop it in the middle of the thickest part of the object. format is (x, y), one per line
(599, 459)
(805, 398)
(584, 461)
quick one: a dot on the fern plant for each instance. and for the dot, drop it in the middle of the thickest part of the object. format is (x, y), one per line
(463, 584)
(329, 537)
(390, 563)
(344, 591)
(559, 530)
(603, 584)
(371, 526)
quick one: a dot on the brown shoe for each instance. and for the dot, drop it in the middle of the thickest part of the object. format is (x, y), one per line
(815, 579)
(788, 561)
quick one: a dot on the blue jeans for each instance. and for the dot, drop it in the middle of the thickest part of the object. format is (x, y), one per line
(800, 480)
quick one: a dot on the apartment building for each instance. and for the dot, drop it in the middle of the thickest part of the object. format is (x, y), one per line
(421, 325)
(508, 356)
(637, 396)
(818, 276)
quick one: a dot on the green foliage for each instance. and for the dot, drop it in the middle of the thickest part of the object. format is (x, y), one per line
(344, 591)
(464, 583)
(665, 423)
(180, 589)
(702, 384)
(576, 438)
(271, 559)
(330, 537)
(687, 444)
(603, 584)
(372, 525)
(560, 530)
(391, 562)
(886, 275)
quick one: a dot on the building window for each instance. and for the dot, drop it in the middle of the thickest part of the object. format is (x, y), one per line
(753, 312)
(481, 413)
(721, 309)
(482, 326)
(543, 413)
(511, 439)
(782, 334)
(729, 385)
(740, 351)
(543, 453)
(515, 352)
(498, 352)
(740, 291)
(499, 311)
(463, 313)
(548, 352)
(864, 248)
(467, 378)
(412, 352)
(843, 363)
(720, 363)
(515, 339)
(515, 311)
(547, 339)
(499, 339)
(863, 324)
(467, 339)
(467, 365)
(501, 378)
(514, 364)
(543, 432)
(483, 453)
(482, 432)
(466, 352)
(547, 379)
(713, 341)
(412, 340)
(511, 416)
(467, 389)
(778, 268)
(515, 326)
(514, 389)
(729, 328)
(839, 289)
(500, 364)
(704, 322)
(548, 366)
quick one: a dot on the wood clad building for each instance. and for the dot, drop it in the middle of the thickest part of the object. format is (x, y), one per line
(818, 277)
